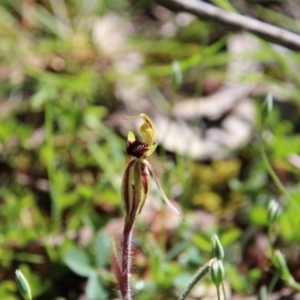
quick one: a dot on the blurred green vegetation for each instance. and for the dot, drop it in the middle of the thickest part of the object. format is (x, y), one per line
(62, 158)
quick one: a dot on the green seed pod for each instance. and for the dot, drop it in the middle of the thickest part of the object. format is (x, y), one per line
(274, 211)
(217, 248)
(217, 272)
(23, 285)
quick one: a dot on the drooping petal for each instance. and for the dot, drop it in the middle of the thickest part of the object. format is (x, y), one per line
(127, 187)
(139, 195)
(146, 185)
(162, 193)
(135, 188)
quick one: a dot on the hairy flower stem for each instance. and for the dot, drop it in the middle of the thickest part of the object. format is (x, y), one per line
(197, 276)
(126, 259)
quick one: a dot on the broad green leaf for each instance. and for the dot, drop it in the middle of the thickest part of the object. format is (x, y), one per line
(225, 5)
(235, 278)
(258, 215)
(102, 249)
(94, 288)
(202, 241)
(230, 236)
(78, 262)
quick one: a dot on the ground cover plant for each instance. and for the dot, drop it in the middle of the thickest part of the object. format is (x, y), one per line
(225, 105)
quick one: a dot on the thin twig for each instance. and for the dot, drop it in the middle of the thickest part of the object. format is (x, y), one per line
(212, 13)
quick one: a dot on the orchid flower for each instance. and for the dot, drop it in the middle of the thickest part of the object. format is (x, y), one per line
(136, 182)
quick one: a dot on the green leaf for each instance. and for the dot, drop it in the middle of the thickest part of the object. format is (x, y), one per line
(40, 97)
(235, 278)
(93, 116)
(102, 249)
(285, 145)
(78, 262)
(230, 236)
(94, 288)
(225, 4)
(258, 215)
(202, 241)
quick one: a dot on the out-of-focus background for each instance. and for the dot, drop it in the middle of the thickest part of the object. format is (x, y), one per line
(70, 71)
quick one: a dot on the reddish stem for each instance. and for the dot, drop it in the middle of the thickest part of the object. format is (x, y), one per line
(126, 259)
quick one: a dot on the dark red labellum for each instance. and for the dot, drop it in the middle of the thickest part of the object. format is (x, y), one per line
(136, 148)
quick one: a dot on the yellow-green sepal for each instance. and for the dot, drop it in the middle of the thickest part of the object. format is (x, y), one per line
(150, 151)
(131, 137)
(146, 130)
(145, 185)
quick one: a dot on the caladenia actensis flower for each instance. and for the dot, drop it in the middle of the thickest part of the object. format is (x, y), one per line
(135, 189)
(136, 182)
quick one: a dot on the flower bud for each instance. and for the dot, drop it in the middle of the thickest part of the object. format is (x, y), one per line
(274, 211)
(176, 76)
(217, 248)
(262, 293)
(217, 272)
(280, 263)
(266, 108)
(23, 285)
